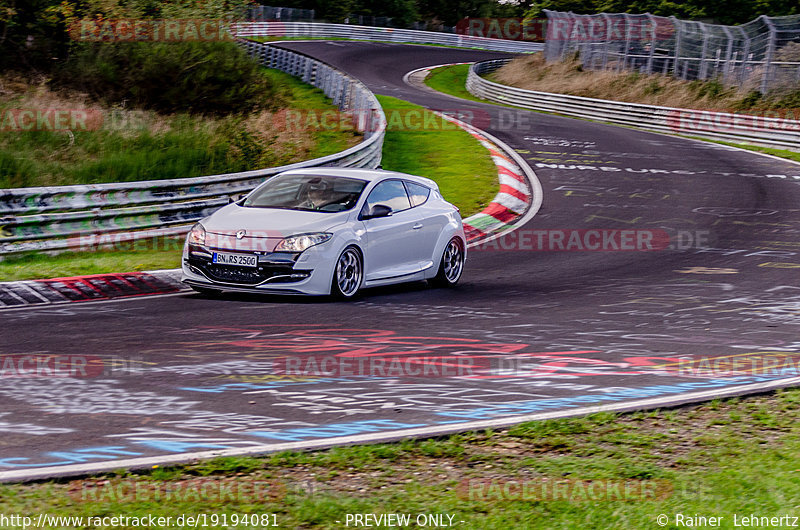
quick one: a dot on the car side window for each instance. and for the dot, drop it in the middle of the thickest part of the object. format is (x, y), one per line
(390, 193)
(417, 193)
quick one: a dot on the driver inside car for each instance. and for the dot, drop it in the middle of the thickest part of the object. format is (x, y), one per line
(317, 195)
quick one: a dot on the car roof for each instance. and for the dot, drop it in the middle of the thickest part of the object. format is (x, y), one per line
(370, 175)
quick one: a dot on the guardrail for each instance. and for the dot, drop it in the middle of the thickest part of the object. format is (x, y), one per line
(85, 216)
(766, 131)
(347, 31)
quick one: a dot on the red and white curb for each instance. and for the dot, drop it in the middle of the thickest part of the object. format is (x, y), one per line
(518, 190)
(89, 288)
(520, 194)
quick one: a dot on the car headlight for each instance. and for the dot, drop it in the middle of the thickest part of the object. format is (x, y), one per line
(197, 235)
(301, 242)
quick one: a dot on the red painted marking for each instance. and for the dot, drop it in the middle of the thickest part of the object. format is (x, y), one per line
(498, 154)
(123, 279)
(500, 212)
(80, 278)
(505, 188)
(505, 171)
(91, 286)
(108, 290)
(472, 233)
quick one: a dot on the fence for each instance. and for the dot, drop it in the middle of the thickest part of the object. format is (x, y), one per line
(64, 217)
(291, 14)
(760, 55)
(347, 31)
(283, 14)
(770, 132)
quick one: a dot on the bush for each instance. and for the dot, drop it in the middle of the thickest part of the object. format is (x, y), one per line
(789, 99)
(200, 77)
(750, 100)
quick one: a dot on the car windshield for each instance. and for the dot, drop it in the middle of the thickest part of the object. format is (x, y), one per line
(312, 193)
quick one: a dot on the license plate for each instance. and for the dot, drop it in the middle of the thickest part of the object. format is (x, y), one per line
(240, 260)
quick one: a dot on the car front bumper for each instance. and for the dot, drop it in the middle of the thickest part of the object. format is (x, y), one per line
(309, 272)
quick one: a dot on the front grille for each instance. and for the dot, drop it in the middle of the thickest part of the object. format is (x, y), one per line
(244, 275)
(247, 275)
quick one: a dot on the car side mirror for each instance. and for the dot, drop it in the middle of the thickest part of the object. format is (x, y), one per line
(379, 210)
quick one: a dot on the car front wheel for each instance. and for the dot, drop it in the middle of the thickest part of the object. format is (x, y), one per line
(348, 274)
(452, 264)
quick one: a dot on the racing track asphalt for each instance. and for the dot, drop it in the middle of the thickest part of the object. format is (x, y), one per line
(192, 376)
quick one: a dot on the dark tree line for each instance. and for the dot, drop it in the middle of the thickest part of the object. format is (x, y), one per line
(450, 11)
(33, 33)
(729, 12)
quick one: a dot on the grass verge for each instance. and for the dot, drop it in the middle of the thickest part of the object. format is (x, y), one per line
(143, 145)
(126, 257)
(780, 153)
(441, 151)
(451, 80)
(728, 458)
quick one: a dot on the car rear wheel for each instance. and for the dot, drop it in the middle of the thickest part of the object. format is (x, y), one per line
(348, 274)
(452, 264)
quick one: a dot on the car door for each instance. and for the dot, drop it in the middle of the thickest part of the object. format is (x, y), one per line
(430, 221)
(392, 242)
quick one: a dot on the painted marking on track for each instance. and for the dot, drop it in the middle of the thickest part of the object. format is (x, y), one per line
(434, 430)
(707, 270)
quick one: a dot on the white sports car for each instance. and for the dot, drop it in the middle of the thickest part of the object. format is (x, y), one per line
(328, 231)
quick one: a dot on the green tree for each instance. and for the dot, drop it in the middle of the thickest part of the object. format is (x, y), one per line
(730, 12)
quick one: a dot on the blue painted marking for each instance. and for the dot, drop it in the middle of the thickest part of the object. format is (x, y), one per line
(336, 429)
(177, 447)
(527, 407)
(72, 457)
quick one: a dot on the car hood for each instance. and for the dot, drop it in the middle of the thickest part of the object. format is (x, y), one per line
(270, 222)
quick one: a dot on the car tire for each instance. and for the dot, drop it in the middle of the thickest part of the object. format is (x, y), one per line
(348, 274)
(451, 265)
(206, 291)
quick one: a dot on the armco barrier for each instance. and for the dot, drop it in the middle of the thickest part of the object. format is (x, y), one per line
(65, 217)
(766, 131)
(347, 31)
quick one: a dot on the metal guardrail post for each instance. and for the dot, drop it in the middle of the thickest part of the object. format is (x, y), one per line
(728, 64)
(654, 26)
(768, 66)
(678, 43)
(703, 70)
